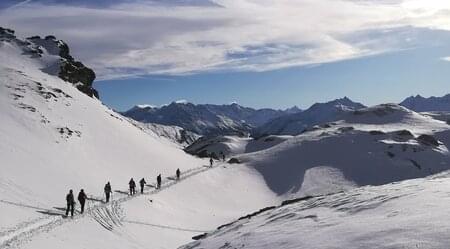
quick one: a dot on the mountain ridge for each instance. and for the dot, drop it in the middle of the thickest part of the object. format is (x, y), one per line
(318, 113)
(421, 104)
(206, 119)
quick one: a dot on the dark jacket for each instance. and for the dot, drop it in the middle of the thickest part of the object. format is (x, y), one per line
(70, 199)
(142, 182)
(132, 183)
(108, 188)
(82, 197)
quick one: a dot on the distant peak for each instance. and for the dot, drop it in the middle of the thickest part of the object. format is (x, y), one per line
(181, 101)
(343, 101)
(293, 109)
(145, 106)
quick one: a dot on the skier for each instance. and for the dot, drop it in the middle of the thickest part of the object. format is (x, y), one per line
(211, 161)
(178, 174)
(158, 181)
(223, 157)
(142, 182)
(82, 199)
(132, 185)
(108, 191)
(70, 203)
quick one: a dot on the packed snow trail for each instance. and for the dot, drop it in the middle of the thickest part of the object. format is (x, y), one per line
(100, 213)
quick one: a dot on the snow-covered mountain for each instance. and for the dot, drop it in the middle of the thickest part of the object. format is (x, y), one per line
(174, 134)
(206, 119)
(54, 138)
(325, 172)
(420, 104)
(318, 113)
(370, 146)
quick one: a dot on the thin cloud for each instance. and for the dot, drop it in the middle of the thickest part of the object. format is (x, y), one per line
(132, 39)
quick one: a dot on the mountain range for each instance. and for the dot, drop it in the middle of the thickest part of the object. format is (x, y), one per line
(213, 120)
(432, 104)
(207, 119)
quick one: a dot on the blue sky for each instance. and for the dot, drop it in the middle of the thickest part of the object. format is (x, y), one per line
(259, 53)
(370, 80)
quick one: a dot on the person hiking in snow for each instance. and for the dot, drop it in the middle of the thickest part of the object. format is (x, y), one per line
(108, 191)
(70, 203)
(223, 157)
(142, 182)
(178, 174)
(132, 185)
(158, 181)
(211, 161)
(82, 199)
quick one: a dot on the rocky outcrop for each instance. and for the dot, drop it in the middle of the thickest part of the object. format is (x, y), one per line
(58, 59)
(71, 70)
(428, 140)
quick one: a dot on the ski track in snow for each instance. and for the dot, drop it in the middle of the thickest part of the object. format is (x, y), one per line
(108, 215)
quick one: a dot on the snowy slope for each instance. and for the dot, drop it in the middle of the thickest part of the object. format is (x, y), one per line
(372, 146)
(408, 214)
(318, 113)
(420, 104)
(54, 138)
(443, 116)
(172, 133)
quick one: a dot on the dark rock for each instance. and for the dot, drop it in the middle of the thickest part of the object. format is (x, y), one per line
(248, 216)
(200, 236)
(234, 160)
(34, 37)
(345, 129)
(203, 154)
(376, 133)
(214, 155)
(404, 133)
(428, 140)
(269, 139)
(6, 33)
(416, 164)
(288, 202)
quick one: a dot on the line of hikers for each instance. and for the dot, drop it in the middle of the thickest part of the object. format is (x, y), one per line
(70, 199)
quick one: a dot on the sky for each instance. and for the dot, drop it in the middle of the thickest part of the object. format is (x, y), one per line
(258, 53)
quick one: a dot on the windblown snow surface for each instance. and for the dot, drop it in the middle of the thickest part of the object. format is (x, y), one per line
(408, 214)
